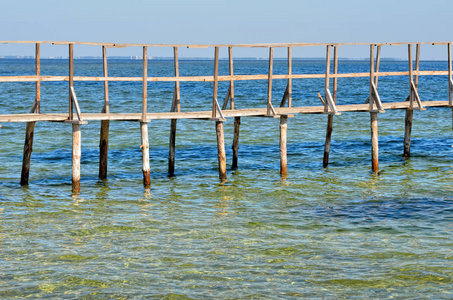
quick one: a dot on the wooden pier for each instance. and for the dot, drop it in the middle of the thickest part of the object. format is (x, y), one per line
(218, 113)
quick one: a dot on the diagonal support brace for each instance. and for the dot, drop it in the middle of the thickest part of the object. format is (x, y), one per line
(375, 99)
(329, 104)
(219, 110)
(227, 99)
(414, 95)
(285, 96)
(76, 103)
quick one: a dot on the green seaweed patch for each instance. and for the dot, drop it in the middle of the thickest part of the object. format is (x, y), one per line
(74, 257)
(103, 230)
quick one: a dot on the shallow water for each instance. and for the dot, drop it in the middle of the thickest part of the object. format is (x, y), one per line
(340, 232)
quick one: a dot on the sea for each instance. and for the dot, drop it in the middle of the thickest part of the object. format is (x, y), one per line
(340, 232)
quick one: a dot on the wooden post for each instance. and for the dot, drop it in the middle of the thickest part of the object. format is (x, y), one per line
(374, 143)
(410, 111)
(230, 58)
(329, 129)
(38, 73)
(145, 155)
(28, 148)
(176, 106)
(29, 133)
(450, 83)
(172, 148)
(145, 82)
(76, 155)
(269, 81)
(373, 119)
(283, 153)
(216, 81)
(71, 79)
(221, 150)
(450, 77)
(290, 80)
(105, 124)
(371, 97)
(237, 124)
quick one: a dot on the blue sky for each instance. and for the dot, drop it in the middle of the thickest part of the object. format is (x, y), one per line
(227, 21)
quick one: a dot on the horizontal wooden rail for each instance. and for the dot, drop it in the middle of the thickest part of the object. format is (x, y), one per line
(195, 46)
(34, 78)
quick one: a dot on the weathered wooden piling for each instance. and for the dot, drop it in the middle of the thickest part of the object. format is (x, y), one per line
(28, 145)
(144, 124)
(175, 107)
(172, 148)
(329, 128)
(410, 111)
(28, 148)
(235, 147)
(374, 143)
(76, 156)
(105, 124)
(373, 101)
(283, 150)
(450, 80)
(145, 154)
(221, 150)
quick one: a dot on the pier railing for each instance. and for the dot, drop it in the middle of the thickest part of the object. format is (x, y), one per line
(328, 101)
(219, 111)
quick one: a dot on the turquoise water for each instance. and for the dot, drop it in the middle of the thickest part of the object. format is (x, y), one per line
(340, 232)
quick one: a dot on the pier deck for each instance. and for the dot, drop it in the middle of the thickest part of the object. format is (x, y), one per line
(206, 115)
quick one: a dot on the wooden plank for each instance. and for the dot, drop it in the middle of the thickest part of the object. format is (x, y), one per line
(216, 76)
(60, 117)
(145, 83)
(34, 78)
(263, 45)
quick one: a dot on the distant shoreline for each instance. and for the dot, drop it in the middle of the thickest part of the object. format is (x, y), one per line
(201, 58)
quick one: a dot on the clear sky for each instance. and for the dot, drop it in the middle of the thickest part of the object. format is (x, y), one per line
(227, 21)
